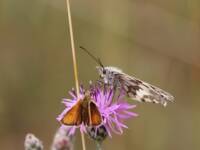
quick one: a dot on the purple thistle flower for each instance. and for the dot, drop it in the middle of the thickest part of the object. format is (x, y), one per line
(113, 109)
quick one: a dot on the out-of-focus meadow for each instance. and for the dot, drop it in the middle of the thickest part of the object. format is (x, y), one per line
(157, 41)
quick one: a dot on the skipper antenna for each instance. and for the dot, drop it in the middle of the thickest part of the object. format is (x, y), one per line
(96, 59)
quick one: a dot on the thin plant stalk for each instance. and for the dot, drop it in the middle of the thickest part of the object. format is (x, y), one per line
(74, 61)
(72, 46)
(98, 146)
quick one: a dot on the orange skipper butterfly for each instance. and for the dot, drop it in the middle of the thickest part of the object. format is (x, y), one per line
(84, 111)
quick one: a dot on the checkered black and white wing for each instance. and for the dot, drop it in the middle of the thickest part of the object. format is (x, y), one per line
(141, 91)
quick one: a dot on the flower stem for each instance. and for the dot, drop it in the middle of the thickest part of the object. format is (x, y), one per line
(98, 146)
(74, 61)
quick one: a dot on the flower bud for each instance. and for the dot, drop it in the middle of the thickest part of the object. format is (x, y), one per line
(62, 141)
(32, 143)
(98, 134)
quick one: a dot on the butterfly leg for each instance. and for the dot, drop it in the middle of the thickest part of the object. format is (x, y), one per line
(115, 90)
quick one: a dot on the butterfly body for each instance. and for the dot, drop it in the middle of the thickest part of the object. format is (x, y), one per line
(84, 111)
(135, 88)
(108, 74)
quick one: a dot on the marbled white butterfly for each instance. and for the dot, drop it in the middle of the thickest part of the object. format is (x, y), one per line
(135, 88)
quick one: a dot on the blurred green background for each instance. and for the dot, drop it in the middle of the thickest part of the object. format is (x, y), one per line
(155, 40)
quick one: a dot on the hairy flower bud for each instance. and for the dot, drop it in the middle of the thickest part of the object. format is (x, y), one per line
(98, 134)
(62, 141)
(32, 143)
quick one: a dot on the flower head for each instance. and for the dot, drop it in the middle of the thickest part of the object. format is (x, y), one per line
(113, 109)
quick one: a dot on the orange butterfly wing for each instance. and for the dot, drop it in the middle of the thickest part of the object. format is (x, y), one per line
(95, 115)
(73, 116)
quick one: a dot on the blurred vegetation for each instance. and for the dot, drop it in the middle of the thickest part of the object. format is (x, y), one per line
(157, 41)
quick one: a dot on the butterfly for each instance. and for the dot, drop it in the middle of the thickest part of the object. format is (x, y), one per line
(135, 88)
(84, 111)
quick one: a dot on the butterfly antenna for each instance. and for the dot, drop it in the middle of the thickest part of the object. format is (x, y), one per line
(100, 63)
(93, 57)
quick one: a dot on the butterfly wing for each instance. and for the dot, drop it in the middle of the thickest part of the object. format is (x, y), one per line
(95, 116)
(73, 116)
(142, 91)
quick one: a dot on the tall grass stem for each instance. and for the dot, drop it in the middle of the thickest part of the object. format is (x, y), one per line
(74, 60)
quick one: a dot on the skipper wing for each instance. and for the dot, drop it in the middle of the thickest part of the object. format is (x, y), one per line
(73, 116)
(95, 116)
